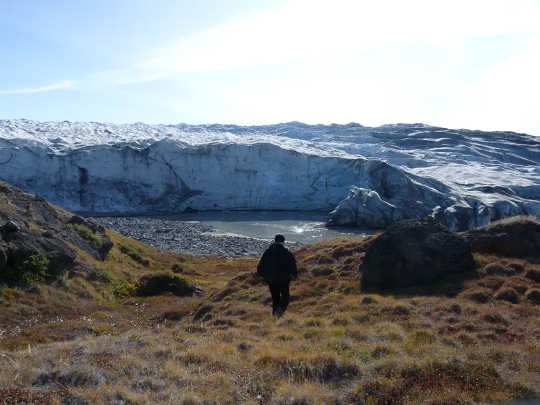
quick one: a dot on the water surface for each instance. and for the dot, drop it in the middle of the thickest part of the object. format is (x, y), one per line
(302, 227)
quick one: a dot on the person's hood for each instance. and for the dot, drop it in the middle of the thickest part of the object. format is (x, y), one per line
(277, 246)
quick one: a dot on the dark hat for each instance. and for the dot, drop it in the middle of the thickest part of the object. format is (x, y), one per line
(279, 238)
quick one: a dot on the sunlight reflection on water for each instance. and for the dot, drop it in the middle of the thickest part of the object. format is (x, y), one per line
(303, 227)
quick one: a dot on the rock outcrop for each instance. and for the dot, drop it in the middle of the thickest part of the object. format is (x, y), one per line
(514, 237)
(414, 252)
(19, 245)
(34, 236)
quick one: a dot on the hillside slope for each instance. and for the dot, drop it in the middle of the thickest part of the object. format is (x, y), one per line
(89, 336)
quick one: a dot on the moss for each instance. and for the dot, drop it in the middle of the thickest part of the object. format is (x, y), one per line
(85, 233)
(134, 254)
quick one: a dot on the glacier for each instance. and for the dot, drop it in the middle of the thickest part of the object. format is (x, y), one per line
(363, 176)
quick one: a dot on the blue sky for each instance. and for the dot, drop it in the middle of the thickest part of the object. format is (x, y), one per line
(460, 64)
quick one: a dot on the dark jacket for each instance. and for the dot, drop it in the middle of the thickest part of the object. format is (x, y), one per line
(277, 265)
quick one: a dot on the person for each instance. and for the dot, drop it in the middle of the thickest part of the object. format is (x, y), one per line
(278, 267)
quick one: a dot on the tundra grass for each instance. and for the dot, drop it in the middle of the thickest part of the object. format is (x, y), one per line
(334, 345)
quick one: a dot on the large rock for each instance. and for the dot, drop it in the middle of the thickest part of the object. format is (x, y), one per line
(30, 224)
(88, 236)
(16, 247)
(515, 237)
(414, 252)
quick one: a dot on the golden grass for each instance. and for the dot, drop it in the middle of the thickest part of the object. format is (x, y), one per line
(335, 345)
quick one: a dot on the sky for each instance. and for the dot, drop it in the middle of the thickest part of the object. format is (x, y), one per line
(457, 64)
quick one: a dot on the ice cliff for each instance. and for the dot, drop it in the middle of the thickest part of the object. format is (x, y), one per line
(367, 177)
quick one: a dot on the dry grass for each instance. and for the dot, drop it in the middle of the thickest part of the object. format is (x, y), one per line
(334, 345)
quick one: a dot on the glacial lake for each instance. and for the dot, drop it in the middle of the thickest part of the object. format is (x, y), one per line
(302, 227)
(232, 233)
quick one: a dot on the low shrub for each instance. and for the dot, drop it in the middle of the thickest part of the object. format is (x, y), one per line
(33, 268)
(160, 283)
(122, 289)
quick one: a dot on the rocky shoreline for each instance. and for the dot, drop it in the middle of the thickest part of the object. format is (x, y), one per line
(185, 237)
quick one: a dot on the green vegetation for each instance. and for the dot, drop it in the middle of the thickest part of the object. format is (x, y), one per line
(122, 289)
(33, 268)
(134, 254)
(85, 233)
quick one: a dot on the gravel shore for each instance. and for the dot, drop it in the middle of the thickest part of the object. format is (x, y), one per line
(186, 237)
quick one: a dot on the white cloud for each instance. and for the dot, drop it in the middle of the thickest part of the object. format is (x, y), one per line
(65, 84)
(303, 29)
(308, 60)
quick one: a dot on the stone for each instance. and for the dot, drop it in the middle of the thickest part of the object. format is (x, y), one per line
(9, 227)
(48, 234)
(27, 243)
(513, 237)
(97, 248)
(414, 252)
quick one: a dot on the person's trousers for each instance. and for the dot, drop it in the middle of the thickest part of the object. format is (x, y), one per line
(280, 297)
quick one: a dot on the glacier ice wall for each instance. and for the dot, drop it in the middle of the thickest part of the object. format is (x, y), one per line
(462, 178)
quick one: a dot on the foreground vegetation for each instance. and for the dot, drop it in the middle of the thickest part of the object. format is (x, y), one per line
(202, 333)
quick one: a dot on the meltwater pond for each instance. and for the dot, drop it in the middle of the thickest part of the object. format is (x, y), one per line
(235, 233)
(302, 227)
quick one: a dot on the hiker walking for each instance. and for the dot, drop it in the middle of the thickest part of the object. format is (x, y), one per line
(278, 267)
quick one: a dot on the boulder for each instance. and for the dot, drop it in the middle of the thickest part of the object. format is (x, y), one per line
(414, 252)
(60, 255)
(23, 244)
(514, 237)
(10, 227)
